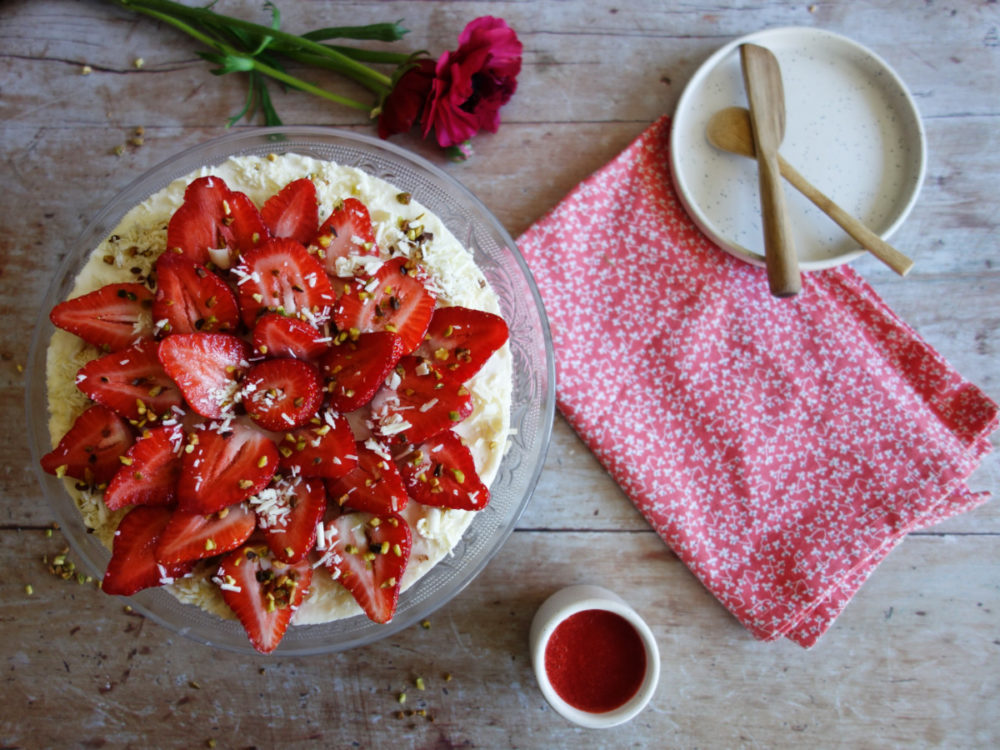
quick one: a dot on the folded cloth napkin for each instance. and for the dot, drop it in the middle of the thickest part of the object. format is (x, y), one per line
(780, 447)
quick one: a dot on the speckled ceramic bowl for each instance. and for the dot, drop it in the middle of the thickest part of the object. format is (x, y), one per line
(852, 129)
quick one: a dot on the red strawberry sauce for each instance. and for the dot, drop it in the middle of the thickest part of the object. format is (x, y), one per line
(595, 660)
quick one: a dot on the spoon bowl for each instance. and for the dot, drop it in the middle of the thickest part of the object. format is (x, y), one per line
(730, 130)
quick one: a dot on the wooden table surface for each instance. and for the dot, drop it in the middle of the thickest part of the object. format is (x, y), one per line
(913, 661)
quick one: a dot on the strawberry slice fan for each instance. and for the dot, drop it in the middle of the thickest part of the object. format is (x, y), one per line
(780, 447)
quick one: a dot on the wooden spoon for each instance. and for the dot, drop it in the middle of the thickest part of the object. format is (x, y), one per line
(766, 96)
(730, 130)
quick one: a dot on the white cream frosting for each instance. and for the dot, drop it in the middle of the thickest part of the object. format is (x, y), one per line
(129, 253)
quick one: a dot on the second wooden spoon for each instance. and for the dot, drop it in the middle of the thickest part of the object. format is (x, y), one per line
(730, 130)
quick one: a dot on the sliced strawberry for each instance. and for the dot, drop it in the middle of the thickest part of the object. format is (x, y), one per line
(352, 541)
(373, 486)
(293, 211)
(111, 318)
(194, 536)
(90, 450)
(151, 468)
(190, 298)
(347, 231)
(223, 469)
(133, 565)
(207, 367)
(324, 448)
(214, 224)
(282, 394)
(442, 472)
(394, 299)
(281, 276)
(289, 512)
(459, 340)
(279, 336)
(262, 592)
(355, 368)
(417, 403)
(132, 382)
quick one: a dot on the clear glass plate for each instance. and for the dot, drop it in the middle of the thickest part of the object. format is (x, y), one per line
(533, 393)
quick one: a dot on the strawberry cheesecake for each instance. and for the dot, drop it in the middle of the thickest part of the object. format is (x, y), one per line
(280, 389)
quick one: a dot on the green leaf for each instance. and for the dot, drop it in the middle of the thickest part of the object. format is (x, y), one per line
(275, 14)
(228, 63)
(270, 114)
(246, 107)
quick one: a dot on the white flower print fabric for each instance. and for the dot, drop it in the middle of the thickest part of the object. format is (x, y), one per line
(780, 447)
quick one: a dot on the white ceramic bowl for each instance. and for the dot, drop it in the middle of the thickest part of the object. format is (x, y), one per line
(566, 603)
(853, 130)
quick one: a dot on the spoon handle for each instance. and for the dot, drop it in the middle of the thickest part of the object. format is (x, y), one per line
(780, 258)
(766, 97)
(861, 234)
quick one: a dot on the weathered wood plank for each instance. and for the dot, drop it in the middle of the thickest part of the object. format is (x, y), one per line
(874, 680)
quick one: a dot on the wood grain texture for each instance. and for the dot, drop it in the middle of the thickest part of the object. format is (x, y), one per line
(913, 661)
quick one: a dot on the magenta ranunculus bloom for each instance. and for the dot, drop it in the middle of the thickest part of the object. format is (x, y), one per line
(402, 108)
(473, 82)
(462, 92)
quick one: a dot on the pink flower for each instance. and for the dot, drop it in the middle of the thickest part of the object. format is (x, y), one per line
(462, 93)
(473, 82)
(403, 105)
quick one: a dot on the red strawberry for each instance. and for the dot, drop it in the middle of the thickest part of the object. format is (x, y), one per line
(190, 298)
(347, 231)
(418, 402)
(90, 449)
(132, 382)
(213, 217)
(133, 565)
(292, 212)
(394, 299)
(281, 276)
(110, 318)
(355, 368)
(150, 471)
(224, 469)
(442, 472)
(262, 592)
(373, 486)
(207, 368)
(324, 448)
(289, 512)
(194, 536)
(460, 340)
(279, 336)
(352, 541)
(282, 394)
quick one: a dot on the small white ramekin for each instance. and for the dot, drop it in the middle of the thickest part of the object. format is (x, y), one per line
(567, 602)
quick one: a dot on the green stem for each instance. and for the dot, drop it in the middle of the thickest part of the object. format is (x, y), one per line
(267, 70)
(284, 42)
(298, 83)
(371, 55)
(381, 32)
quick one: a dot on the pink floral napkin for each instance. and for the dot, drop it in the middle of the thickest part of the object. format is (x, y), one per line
(781, 447)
